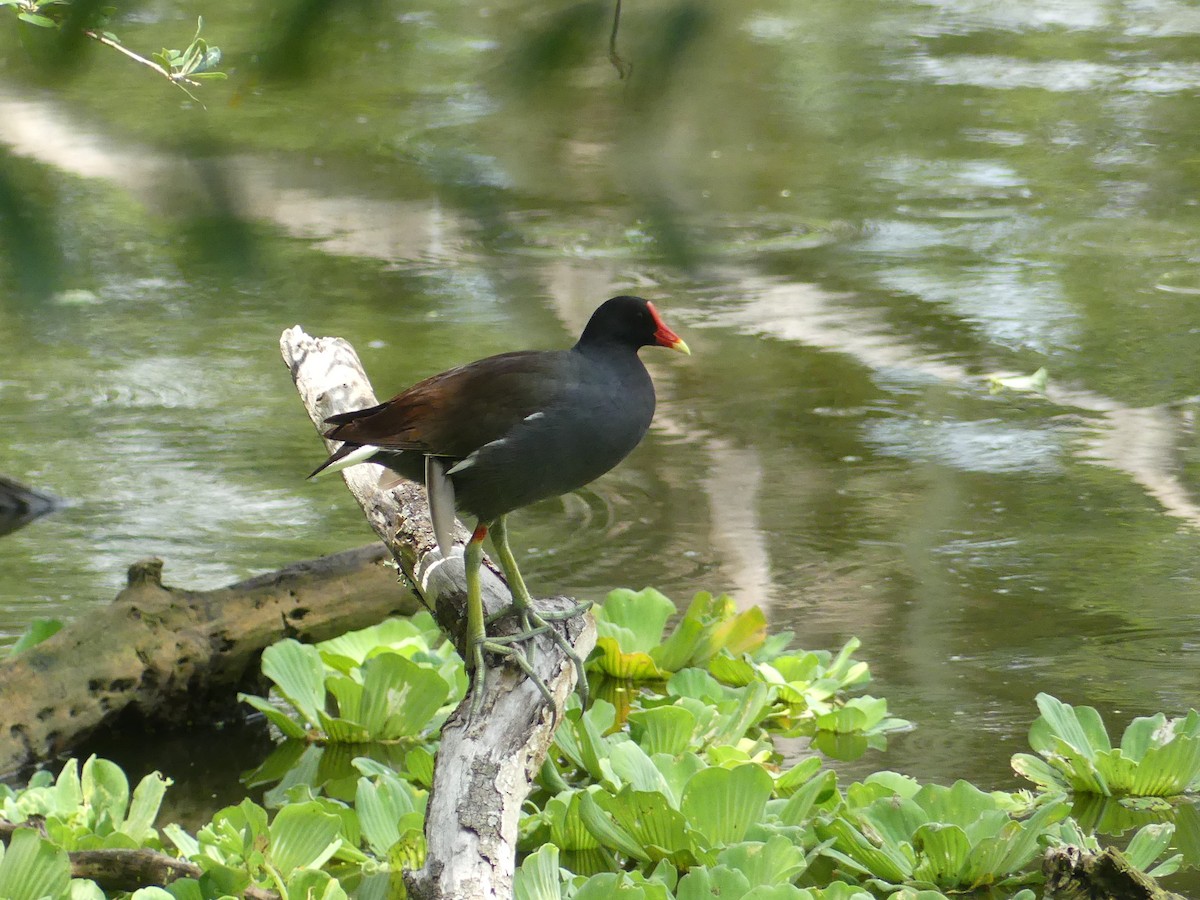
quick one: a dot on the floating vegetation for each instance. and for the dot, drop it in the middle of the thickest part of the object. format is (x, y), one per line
(676, 791)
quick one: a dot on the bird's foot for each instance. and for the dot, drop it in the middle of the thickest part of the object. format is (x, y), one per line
(505, 647)
(524, 609)
(534, 623)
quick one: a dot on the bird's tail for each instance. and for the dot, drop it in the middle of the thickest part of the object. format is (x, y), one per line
(346, 455)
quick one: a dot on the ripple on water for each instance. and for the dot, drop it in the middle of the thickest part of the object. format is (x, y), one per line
(984, 446)
(609, 534)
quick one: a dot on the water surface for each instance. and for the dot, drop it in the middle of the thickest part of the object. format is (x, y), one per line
(854, 212)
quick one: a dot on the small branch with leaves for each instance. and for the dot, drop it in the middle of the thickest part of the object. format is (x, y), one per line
(190, 66)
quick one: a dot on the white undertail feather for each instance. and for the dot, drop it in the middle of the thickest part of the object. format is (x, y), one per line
(362, 454)
(440, 490)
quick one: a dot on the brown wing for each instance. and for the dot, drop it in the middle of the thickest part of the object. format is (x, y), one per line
(457, 412)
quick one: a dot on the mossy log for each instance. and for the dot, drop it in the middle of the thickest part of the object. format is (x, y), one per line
(1073, 873)
(173, 656)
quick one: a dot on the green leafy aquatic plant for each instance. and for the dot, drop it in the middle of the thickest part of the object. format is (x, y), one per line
(393, 681)
(38, 630)
(894, 832)
(34, 868)
(631, 624)
(1157, 756)
(243, 847)
(809, 688)
(90, 809)
(681, 793)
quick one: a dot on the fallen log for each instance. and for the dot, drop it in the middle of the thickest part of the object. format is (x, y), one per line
(484, 770)
(1073, 873)
(173, 656)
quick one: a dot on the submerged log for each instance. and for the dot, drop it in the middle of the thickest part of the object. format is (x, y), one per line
(484, 770)
(172, 656)
(1073, 873)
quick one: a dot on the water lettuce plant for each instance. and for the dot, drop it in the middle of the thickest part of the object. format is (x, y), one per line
(893, 832)
(679, 791)
(1157, 756)
(631, 625)
(393, 681)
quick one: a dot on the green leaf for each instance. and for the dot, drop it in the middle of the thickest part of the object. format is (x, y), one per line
(944, 849)
(33, 868)
(35, 19)
(777, 892)
(537, 878)
(606, 831)
(634, 618)
(616, 663)
(106, 791)
(631, 764)
(418, 766)
(1149, 844)
(797, 776)
(706, 883)
(399, 696)
(1037, 770)
(188, 846)
(723, 803)
(1081, 728)
(315, 885)
(381, 807)
(797, 808)
(37, 631)
(664, 729)
(299, 676)
(303, 835)
(1167, 770)
(770, 863)
(147, 799)
(287, 726)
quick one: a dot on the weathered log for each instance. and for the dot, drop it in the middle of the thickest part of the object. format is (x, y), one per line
(484, 770)
(173, 656)
(1073, 873)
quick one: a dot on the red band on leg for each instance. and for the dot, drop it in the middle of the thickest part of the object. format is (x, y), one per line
(479, 533)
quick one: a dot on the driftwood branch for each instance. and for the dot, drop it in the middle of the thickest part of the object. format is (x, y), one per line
(1073, 873)
(484, 771)
(174, 656)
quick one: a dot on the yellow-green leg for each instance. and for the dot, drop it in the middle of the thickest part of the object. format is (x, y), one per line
(476, 637)
(476, 632)
(532, 622)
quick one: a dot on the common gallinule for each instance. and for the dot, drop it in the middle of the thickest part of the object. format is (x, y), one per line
(506, 431)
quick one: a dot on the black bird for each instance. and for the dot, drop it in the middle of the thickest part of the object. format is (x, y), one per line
(509, 430)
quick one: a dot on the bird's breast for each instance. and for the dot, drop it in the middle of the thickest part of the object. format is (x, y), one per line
(587, 430)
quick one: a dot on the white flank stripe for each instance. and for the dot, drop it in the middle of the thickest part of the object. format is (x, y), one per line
(463, 464)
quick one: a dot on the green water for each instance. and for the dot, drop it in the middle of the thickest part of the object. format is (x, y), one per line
(854, 212)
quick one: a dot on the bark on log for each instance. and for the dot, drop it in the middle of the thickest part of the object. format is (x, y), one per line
(1073, 873)
(173, 656)
(483, 771)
